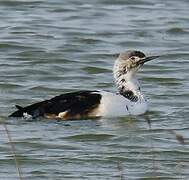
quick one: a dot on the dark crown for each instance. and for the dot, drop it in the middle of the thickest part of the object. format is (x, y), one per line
(126, 55)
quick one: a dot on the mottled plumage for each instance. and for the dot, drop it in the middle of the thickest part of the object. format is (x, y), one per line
(82, 104)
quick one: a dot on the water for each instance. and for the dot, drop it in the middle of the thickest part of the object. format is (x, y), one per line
(51, 47)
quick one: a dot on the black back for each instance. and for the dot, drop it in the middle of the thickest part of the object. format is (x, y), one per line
(74, 103)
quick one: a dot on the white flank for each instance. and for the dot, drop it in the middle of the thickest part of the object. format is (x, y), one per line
(117, 105)
(27, 116)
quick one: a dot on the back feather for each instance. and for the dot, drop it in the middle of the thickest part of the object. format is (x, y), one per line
(73, 103)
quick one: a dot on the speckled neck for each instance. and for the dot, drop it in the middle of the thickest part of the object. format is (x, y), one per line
(126, 82)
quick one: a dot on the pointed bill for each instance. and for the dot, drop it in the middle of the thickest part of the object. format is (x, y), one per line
(146, 59)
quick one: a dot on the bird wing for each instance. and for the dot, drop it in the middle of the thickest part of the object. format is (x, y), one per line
(66, 106)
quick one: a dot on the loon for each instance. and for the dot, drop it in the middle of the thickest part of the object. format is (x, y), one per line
(129, 100)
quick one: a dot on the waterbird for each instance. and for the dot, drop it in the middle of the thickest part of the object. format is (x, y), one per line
(129, 100)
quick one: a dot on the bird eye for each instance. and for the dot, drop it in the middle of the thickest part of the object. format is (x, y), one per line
(132, 58)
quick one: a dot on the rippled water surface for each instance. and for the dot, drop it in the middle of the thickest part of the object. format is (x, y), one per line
(52, 47)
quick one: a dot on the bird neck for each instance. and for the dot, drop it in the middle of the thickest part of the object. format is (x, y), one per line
(127, 83)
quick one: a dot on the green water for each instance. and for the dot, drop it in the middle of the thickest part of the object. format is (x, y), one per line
(52, 47)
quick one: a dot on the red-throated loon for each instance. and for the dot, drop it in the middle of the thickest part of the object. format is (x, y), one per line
(82, 104)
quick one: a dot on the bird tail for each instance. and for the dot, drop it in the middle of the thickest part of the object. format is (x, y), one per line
(19, 113)
(32, 111)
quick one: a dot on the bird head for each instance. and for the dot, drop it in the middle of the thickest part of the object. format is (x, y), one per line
(131, 61)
